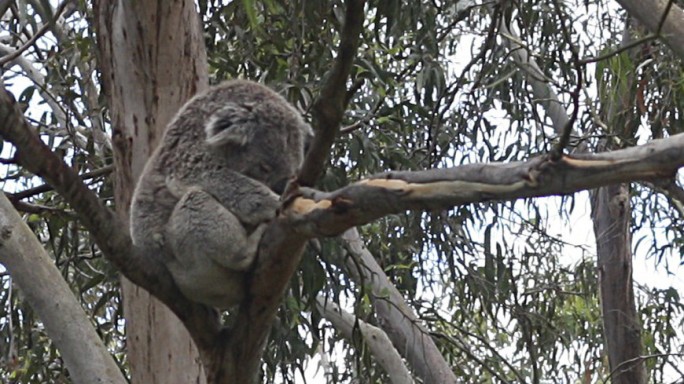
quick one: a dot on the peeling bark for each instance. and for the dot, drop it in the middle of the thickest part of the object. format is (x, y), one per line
(146, 86)
(316, 213)
(323, 214)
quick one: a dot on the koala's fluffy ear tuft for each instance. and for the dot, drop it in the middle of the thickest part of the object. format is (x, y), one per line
(233, 124)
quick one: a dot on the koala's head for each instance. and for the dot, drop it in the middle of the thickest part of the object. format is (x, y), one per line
(257, 132)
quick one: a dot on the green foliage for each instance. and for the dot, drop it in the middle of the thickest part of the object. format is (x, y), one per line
(64, 71)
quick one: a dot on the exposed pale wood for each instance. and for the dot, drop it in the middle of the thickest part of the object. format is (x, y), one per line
(318, 213)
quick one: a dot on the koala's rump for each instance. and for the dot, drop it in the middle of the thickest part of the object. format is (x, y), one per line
(208, 282)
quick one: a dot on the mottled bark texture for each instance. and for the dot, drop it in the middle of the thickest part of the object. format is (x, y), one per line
(153, 60)
(611, 213)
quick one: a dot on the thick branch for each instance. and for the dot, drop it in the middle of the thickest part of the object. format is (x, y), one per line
(326, 214)
(49, 295)
(650, 13)
(329, 106)
(396, 318)
(376, 339)
(242, 347)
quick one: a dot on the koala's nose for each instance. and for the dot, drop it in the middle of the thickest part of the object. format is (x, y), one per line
(279, 186)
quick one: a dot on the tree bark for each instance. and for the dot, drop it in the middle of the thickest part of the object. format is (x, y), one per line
(153, 60)
(375, 338)
(396, 318)
(610, 210)
(650, 14)
(611, 214)
(49, 295)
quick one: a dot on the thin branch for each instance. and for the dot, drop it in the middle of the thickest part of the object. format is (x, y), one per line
(38, 79)
(465, 348)
(40, 209)
(664, 20)
(668, 7)
(622, 48)
(62, 31)
(364, 120)
(47, 187)
(627, 364)
(329, 106)
(487, 344)
(632, 44)
(487, 46)
(16, 53)
(673, 192)
(564, 138)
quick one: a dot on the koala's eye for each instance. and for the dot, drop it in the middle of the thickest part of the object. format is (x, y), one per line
(307, 145)
(265, 168)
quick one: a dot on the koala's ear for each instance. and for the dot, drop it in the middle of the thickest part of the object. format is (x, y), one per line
(234, 123)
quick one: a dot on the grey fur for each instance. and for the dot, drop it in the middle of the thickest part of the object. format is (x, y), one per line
(206, 193)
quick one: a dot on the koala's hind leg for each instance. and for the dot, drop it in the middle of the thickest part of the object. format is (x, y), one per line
(200, 227)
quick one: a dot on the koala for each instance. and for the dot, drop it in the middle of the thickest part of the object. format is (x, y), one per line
(208, 191)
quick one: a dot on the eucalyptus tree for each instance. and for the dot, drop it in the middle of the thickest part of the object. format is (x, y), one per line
(441, 130)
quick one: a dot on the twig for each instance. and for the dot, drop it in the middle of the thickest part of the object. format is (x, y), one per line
(628, 364)
(40, 209)
(46, 187)
(564, 139)
(634, 43)
(329, 106)
(41, 31)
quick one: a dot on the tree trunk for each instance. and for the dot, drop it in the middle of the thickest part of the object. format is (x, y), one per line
(153, 60)
(611, 216)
